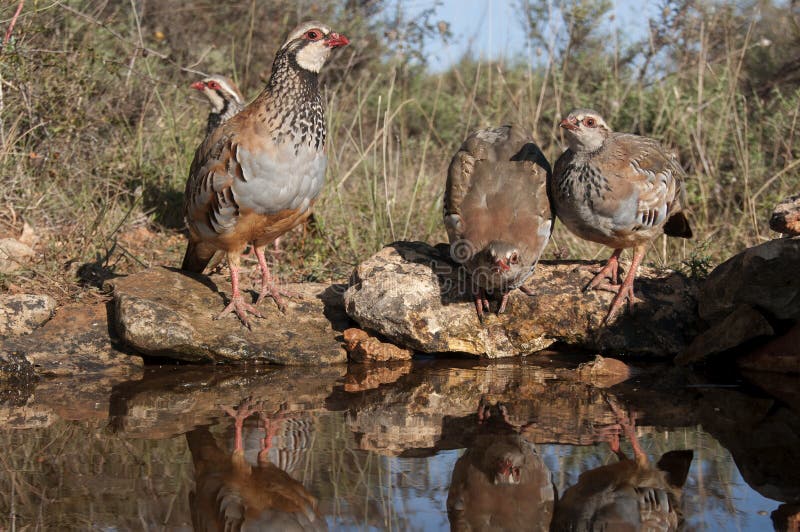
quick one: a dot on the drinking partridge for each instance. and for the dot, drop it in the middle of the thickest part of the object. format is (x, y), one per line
(258, 174)
(224, 96)
(617, 189)
(496, 210)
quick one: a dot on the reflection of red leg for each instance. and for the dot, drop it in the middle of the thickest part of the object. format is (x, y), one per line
(242, 412)
(271, 429)
(628, 424)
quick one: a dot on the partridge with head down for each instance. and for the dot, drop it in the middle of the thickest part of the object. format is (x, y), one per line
(496, 210)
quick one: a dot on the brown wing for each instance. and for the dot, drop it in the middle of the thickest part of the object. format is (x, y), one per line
(644, 183)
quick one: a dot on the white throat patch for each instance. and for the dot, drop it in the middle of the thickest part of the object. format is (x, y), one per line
(312, 56)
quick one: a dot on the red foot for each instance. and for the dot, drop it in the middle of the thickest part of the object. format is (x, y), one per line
(241, 309)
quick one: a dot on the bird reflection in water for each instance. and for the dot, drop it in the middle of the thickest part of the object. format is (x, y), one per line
(500, 482)
(629, 495)
(231, 494)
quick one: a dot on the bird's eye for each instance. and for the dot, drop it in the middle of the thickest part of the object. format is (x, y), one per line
(514, 258)
(313, 35)
(213, 85)
(589, 122)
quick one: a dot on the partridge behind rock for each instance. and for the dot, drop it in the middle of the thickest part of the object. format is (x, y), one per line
(258, 174)
(496, 210)
(224, 96)
(617, 189)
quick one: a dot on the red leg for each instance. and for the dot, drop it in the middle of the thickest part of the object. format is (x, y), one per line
(276, 246)
(237, 303)
(268, 286)
(625, 291)
(481, 302)
(503, 302)
(608, 272)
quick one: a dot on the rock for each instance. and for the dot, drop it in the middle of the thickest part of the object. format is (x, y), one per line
(168, 403)
(764, 277)
(412, 294)
(786, 216)
(779, 355)
(603, 372)
(22, 313)
(170, 313)
(752, 294)
(75, 342)
(13, 254)
(365, 348)
(743, 324)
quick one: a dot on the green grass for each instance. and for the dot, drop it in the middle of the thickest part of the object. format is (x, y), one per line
(99, 125)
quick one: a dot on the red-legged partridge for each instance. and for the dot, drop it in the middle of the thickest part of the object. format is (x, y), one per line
(617, 189)
(631, 494)
(258, 174)
(224, 96)
(496, 210)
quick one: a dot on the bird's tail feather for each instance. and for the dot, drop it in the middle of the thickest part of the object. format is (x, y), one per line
(195, 260)
(678, 225)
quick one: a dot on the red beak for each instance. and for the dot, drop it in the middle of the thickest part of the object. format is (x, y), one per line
(566, 124)
(502, 265)
(199, 85)
(336, 40)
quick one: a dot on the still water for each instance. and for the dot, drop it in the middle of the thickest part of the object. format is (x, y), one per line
(514, 445)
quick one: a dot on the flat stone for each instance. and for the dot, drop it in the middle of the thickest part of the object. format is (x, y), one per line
(166, 312)
(13, 254)
(75, 342)
(414, 296)
(22, 313)
(743, 324)
(786, 216)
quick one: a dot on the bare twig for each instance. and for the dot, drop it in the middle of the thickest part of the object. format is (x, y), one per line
(13, 22)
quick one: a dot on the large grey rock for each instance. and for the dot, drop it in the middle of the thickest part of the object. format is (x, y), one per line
(171, 313)
(22, 313)
(75, 342)
(751, 295)
(413, 295)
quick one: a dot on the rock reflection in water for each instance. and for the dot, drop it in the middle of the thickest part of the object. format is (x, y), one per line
(500, 482)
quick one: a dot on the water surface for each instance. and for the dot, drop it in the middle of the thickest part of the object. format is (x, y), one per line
(384, 448)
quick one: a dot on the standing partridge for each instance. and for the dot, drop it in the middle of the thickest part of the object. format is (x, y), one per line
(224, 96)
(258, 174)
(496, 210)
(617, 189)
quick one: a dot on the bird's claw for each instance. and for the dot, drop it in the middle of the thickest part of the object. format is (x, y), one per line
(241, 308)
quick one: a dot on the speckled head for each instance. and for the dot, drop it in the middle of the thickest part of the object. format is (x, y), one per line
(311, 44)
(219, 90)
(585, 130)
